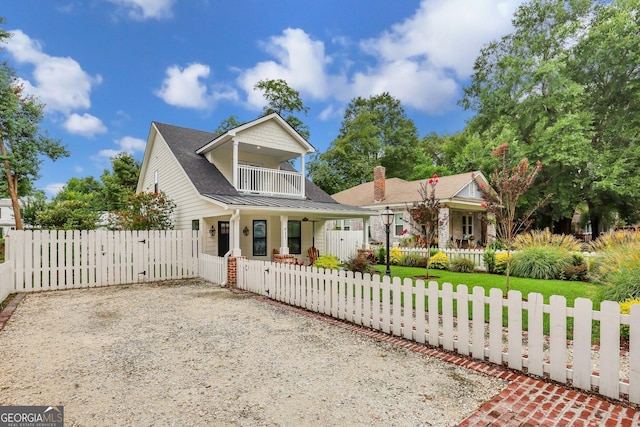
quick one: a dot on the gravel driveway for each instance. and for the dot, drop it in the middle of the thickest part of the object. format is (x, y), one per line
(188, 353)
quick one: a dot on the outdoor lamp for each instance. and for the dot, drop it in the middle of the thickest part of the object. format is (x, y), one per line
(387, 219)
(212, 231)
(245, 231)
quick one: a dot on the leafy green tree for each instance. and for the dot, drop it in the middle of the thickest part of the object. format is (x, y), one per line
(144, 211)
(285, 101)
(227, 124)
(70, 214)
(122, 182)
(374, 131)
(22, 143)
(31, 205)
(425, 214)
(563, 86)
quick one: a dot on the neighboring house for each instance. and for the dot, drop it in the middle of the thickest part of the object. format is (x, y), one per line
(7, 220)
(240, 189)
(462, 216)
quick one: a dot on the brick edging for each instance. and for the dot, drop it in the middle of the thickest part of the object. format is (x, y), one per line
(8, 310)
(526, 401)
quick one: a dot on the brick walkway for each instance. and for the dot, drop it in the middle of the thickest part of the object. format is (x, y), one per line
(525, 402)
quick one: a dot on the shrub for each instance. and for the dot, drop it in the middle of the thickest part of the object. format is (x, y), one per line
(328, 262)
(410, 260)
(422, 262)
(381, 254)
(541, 262)
(462, 265)
(546, 239)
(489, 258)
(500, 266)
(617, 266)
(395, 254)
(360, 264)
(439, 261)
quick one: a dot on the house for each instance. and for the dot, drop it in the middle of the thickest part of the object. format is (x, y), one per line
(462, 222)
(7, 220)
(240, 189)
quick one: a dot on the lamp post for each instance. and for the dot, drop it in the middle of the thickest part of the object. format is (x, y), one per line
(387, 219)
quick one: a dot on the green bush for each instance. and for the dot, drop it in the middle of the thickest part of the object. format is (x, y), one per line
(381, 254)
(410, 260)
(422, 262)
(439, 261)
(462, 265)
(541, 262)
(328, 262)
(617, 265)
(489, 258)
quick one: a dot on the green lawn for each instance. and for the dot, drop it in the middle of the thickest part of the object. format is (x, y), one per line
(570, 290)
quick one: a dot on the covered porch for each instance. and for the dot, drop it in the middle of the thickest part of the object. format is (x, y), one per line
(295, 237)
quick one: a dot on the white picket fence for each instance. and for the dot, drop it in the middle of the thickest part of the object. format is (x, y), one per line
(213, 269)
(45, 260)
(6, 280)
(381, 304)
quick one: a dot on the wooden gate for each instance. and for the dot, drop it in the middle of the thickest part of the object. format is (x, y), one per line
(59, 259)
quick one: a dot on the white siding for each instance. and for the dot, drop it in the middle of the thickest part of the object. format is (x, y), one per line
(173, 181)
(270, 134)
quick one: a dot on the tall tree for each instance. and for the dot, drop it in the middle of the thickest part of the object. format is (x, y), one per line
(285, 101)
(21, 141)
(122, 182)
(374, 131)
(561, 86)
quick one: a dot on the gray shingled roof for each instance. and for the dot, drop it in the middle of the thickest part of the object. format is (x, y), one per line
(210, 182)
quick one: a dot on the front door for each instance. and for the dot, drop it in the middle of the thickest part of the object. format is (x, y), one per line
(223, 237)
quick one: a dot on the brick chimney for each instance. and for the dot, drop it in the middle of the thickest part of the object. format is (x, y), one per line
(378, 184)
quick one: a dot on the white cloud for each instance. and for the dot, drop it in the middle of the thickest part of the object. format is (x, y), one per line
(449, 33)
(59, 82)
(186, 88)
(423, 61)
(300, 61)
(53, 188)
(86, 125)
(127, 144)
(146, 9)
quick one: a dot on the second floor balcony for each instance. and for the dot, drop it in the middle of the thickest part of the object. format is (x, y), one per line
(269, 182)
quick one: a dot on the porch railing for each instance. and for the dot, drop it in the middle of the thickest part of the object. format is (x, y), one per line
(273, 182)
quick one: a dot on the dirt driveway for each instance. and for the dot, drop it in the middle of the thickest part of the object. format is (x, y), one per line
(188, 353)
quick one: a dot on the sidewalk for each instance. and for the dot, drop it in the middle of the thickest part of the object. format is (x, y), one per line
(525, 402)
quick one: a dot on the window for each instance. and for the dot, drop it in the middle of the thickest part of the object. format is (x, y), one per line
(399, 223)
(195, 224)
(260, 237)
(467, 225)
(155, 182)
(294, 237)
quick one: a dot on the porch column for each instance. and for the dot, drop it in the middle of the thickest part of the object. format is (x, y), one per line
(443, 228)
(303, 175)
(234, 231)
(365, 234)
(235, 164)
(284, 240)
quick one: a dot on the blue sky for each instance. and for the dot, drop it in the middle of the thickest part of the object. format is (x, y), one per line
(106, 68)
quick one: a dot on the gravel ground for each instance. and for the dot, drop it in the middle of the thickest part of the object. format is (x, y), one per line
(188, 353)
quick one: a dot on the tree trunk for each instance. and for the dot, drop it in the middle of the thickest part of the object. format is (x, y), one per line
(594, 218)
(15, 203)
(562, 226)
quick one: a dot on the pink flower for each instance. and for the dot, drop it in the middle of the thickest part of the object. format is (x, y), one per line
(403, 232)
(483, 204)
(430, 181)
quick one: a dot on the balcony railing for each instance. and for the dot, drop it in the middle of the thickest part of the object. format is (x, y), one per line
(272, 182)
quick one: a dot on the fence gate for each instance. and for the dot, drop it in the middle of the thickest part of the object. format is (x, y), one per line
(344, 244)
(58, 259)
